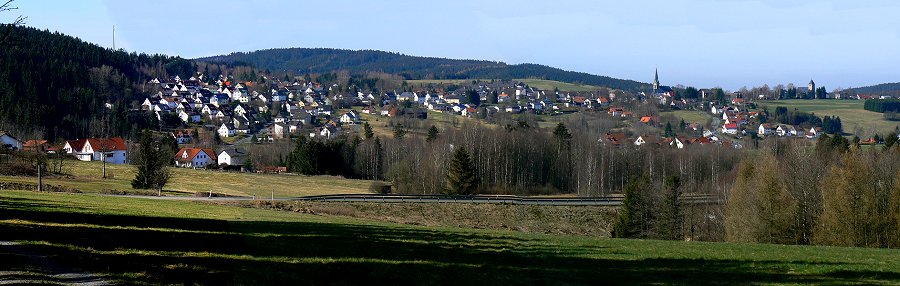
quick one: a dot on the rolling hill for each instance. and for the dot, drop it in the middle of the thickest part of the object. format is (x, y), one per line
(56, 85)
(321, 60)
(879, 89)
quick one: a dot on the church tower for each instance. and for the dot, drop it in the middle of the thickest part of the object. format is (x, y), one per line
(656, 80)
(811, 86)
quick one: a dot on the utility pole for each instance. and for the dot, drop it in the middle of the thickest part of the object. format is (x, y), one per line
(40, 186)
(105, 141)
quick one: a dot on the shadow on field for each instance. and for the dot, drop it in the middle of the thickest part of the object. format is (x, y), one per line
(151, 250)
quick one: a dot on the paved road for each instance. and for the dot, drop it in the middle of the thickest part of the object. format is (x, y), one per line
(493, 199)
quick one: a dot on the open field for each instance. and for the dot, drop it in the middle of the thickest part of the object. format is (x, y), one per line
(542, 84)
(594, 221)
(852, 114)
(690, 116)
(88, 177)
(562, 86)
(441, 120)
(137, 241)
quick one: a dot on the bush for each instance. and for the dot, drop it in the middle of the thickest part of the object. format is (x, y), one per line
(18, 168)
(208, 194)
(380, 187)
(128, 192)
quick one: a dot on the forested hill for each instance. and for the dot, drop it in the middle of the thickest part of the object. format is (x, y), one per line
(305, 60)
(879, 89)
(57, 85)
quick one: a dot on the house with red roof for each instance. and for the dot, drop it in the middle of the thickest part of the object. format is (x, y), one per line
(730, 128)
(111, 150)
(195, 157)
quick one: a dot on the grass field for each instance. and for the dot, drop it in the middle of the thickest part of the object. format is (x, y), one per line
(138, 241)
(562, 86)
(690, 116)
(542, 84)
(851, 112)
(88, 177)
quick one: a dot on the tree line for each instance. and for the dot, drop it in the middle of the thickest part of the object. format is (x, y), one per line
(59, 85)
(835, 194)
(882, 105)
(322, 60)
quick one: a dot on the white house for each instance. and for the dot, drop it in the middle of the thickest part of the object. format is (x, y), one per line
(95, 149)
(730, 128)
(814, 132)
(645, 139)
(227, 130)
(764, 129)
(232, 157)
(678, 142)
(10, 142)
(194, 158)
(785, 130)
(349, 117)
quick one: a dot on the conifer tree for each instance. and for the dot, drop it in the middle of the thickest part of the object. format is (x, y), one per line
(152, 166)
(367, 131)
(671, 215)
(461, 178)
(399, 132)
(432, 134)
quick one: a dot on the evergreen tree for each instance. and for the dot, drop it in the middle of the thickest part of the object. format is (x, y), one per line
(461, 178)
(672, 216)
(563, 137)
(493, 97)
(432, 134)
(367, 131)
(473, 97)
(634, 215)
(890, 140)
(669, 132)
(152, 164)
(399, 132)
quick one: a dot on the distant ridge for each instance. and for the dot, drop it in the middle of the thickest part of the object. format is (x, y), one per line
(879, 89)
(321, 60)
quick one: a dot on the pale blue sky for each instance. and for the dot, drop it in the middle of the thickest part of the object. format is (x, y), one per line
(728, 43)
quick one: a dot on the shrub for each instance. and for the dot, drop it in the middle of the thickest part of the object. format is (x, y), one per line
(380, 187)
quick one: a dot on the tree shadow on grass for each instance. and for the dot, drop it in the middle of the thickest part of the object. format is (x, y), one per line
(155, 250)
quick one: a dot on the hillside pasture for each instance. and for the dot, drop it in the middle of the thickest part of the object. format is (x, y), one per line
(852, 114)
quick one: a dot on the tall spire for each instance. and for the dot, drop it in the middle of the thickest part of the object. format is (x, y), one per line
(656, 79)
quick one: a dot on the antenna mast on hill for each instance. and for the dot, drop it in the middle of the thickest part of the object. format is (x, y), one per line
(114, 37)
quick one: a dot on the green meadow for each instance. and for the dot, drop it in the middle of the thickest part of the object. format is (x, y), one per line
(152, 242)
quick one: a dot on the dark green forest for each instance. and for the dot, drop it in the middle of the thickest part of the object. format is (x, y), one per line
(320, 60)
(882, 105)
(58, 86)
(879, 89)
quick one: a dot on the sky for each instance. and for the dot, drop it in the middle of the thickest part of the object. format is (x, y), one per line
(702, 43)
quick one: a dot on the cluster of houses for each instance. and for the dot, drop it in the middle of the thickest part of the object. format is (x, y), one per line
(233, 109)
(517, 98)
(679, 142)
(736, 122)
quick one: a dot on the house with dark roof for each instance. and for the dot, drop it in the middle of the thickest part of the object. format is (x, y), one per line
(232, 157)
(10, 142)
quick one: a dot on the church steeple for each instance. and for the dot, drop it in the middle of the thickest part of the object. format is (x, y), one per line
(656, 80)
